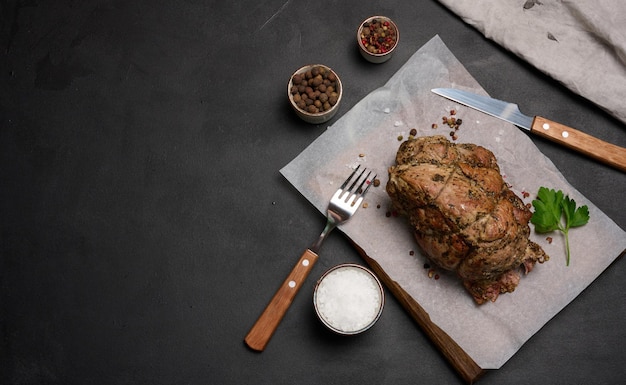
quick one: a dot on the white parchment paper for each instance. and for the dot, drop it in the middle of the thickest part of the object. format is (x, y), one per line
(368, 135)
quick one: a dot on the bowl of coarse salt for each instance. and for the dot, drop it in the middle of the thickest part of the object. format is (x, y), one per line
(348, 299)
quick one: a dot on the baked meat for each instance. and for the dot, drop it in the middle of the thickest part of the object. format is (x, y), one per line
(463, 215)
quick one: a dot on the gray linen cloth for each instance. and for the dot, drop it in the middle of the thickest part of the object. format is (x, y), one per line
(580, 43)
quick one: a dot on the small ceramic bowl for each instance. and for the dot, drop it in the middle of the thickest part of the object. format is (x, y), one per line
(315, 93)
(378, 37)
(348, 299)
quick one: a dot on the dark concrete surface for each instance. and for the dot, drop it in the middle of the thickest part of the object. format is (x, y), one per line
(145, 225)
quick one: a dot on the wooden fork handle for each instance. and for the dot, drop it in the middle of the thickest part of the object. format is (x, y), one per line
(266, 325)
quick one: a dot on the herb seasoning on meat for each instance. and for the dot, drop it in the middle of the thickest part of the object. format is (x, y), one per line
(463, 215)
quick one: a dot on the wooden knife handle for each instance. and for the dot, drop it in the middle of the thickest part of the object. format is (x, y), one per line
(266, 325)
(577, 140)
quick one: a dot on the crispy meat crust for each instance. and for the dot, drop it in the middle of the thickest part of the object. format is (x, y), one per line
(463, 215)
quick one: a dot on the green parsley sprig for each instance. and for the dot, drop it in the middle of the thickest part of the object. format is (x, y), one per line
(551, 207)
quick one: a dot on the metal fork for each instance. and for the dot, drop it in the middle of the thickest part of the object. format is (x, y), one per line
(343, 204)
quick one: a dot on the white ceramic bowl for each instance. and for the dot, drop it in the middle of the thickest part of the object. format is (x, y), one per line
(372, 50)
(348, 299)
(322, 114)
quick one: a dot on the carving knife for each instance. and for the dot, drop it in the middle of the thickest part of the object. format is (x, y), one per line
(576, 140)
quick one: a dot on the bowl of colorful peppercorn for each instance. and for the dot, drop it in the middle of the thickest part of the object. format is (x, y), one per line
(378, 37)
(314, 93)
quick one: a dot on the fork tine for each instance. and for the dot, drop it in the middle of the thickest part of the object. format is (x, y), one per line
(352, 194)
(367, 177)
(357, 180)
(343, 186)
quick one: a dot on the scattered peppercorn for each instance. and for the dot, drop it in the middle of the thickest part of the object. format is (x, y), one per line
(315, 90)
(549, 239)
(451, 122)
(376, 182)
(413, 132)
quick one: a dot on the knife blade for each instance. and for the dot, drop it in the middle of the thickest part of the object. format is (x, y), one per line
(593, 147)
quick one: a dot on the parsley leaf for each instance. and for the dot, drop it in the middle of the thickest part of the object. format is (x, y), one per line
(551, 207)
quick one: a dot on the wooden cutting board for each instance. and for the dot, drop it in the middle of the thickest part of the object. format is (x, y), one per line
(456, 356)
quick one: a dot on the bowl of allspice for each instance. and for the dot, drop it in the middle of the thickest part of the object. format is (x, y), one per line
(314, 93)
(378, 37)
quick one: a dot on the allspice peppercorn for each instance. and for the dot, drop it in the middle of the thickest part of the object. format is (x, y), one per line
(315, 90)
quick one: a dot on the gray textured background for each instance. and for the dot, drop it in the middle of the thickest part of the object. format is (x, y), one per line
(144, 224)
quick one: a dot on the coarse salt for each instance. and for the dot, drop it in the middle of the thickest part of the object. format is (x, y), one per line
(348, 299)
